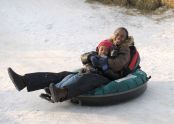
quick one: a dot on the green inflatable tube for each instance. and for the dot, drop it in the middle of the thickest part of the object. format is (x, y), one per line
(116, 91)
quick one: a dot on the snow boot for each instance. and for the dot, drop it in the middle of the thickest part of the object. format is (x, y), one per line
(47, 91)
(58, 94)
(46, 97)
(17, 79)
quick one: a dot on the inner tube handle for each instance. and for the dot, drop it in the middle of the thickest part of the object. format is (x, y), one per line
(149, 77)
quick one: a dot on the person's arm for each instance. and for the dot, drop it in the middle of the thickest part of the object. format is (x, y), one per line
(111, 75)
(85, 58)
(121, 60)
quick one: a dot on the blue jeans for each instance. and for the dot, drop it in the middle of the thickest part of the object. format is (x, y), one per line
(68, 80)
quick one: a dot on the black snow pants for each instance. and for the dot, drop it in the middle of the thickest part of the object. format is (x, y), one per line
(86, 82)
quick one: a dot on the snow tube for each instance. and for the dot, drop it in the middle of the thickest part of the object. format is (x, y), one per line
(116, 91)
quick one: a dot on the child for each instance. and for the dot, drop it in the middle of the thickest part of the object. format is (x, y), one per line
(88, 59)
(93, 60)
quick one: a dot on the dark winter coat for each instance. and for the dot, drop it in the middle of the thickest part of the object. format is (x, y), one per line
(120, 56)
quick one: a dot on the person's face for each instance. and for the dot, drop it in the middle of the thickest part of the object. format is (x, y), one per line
(120, 36)
(103, 51)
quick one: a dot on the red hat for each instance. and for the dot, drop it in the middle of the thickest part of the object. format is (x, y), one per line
(105, 43)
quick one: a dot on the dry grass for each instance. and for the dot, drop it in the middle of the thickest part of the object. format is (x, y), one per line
(121, 2)
(140, 4)
(148, 4)
(169, 3)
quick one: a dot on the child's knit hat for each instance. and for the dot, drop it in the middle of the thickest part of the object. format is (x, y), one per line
(105, 43)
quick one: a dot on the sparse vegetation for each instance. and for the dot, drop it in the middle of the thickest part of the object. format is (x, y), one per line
(139, 4)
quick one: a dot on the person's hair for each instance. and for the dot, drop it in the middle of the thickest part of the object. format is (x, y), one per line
(122, 28)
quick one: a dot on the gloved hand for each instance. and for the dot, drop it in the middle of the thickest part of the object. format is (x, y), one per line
(100, 62)
(103, 63)
(94, 60)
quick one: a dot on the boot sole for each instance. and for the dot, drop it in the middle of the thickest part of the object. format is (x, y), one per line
(46, 97)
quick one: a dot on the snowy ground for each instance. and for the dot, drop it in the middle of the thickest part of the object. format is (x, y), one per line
(50, 35)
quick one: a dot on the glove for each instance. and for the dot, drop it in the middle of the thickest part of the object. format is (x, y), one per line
(100, 62)
(94, 60)
(103, 63)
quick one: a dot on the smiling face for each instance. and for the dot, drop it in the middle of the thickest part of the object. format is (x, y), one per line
(120, 36)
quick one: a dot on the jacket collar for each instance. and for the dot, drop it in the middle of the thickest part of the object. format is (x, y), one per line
(127, 43)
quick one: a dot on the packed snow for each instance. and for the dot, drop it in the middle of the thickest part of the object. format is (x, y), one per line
(42, 35)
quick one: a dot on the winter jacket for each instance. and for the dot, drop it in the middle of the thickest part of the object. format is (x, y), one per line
(120, 56)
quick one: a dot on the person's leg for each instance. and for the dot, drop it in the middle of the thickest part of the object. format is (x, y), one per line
(40, 80)
(36, 81)
(58, 91)
(65, 81)
(77, 85)
(85, 83)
